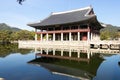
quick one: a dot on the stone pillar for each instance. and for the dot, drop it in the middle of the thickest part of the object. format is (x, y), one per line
(78, 36)
(47, 51)
(41, 36)
(70, 53)
(61, 36)
(91, 36)
(53, 51)
(47, 36)
(69, 36)
(61, 52)
(88, 55)
(35, 34)
(88, 36)
(78, 54)
(36, 50)
(91, 53)
(41, 51)
(53, 36)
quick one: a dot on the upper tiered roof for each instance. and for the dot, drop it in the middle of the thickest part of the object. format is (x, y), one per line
(66, 17)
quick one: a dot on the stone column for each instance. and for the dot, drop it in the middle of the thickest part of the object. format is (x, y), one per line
(53, 51)
(41, 50)
(91, 36)
(47, 51)
(61, 36)
(91, 53)
(69, 36)
(61, 52)
(70, 53)
(47, 36)
(35, 34)
(36, 50)
(88, 55)
(78, 36)
(41, 36)
(78, 54)
(53, 36)
(88, 36)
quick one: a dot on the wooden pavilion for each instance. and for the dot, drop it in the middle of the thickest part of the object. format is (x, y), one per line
(74, 25)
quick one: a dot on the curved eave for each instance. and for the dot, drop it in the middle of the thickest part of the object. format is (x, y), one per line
(37, 25)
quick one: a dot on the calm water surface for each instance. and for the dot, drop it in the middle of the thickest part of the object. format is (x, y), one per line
(21, 64)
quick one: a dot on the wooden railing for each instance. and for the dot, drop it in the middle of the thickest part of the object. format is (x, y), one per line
(64, 31)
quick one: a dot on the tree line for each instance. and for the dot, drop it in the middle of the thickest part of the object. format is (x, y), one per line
(110, 33)
(11, 49)
(7, 36)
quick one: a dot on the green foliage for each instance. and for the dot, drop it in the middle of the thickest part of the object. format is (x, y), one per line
(109, 33)
(104, 35)
(8, 49)
(24, 35)
(7, 36)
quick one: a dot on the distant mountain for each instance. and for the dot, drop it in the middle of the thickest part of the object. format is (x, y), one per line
(4, 26)
(109, 25)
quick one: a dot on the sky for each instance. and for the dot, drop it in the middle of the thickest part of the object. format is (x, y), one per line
(15, 15)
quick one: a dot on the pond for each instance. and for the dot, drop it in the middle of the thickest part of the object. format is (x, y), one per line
(57, 64)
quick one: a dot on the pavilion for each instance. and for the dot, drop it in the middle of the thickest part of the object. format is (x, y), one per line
(68, 27)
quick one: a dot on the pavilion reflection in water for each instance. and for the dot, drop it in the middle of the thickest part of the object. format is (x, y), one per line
(72, 54)
(73, 62)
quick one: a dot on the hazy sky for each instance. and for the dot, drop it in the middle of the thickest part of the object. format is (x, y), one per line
(107, 11)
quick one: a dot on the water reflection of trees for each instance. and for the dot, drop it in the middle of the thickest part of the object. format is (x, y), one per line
(11, 49)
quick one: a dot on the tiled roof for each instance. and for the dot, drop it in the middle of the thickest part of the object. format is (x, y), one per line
(65, 17)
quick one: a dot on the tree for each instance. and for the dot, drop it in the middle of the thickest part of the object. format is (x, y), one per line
(24, 35)
(105, 35)
(20, 1)
(5, 36)
(109, 33)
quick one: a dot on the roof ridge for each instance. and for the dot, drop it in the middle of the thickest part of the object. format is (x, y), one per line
(55, 13)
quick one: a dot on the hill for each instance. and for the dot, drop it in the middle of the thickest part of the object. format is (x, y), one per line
(109, 27)
(4, 26)
(110, 32)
